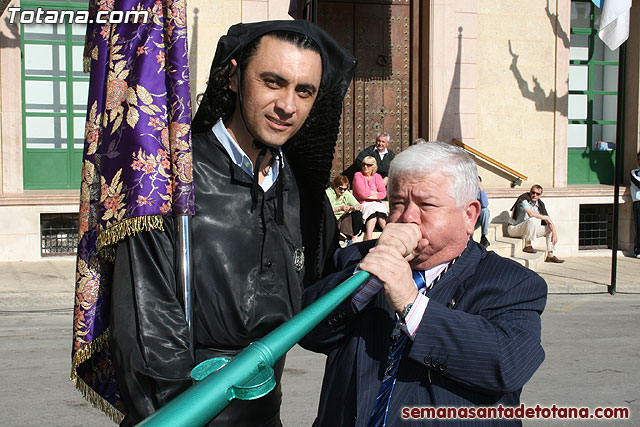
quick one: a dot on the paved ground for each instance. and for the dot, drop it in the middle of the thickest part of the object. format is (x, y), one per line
(592, 345)
(591, 274)
(591, 339)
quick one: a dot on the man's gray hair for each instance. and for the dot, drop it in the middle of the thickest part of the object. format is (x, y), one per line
(433, 157)
(385, 134)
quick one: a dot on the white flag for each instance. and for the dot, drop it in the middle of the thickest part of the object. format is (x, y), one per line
(614, 22)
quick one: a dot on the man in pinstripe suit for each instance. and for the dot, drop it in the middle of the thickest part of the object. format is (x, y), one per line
(442, 322)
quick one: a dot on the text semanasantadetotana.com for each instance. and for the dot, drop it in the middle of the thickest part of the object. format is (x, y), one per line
(518, 412)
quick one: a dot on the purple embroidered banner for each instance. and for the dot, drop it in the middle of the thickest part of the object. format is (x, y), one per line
(137, 163)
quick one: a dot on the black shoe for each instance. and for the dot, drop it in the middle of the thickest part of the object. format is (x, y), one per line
(529, 249)
(554, 259)
(484, 241)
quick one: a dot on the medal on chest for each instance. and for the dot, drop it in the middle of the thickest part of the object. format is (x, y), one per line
(298, 259)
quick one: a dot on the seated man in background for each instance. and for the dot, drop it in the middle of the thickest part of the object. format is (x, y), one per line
(531, 221)
(485, 214)
(441, 322)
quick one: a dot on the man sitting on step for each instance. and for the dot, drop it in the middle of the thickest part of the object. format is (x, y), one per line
(531, 221)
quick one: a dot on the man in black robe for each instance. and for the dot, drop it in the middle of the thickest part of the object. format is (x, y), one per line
(263, 140)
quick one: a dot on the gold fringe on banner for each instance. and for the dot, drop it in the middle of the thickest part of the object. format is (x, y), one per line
(85, 352)
(128, 227)
(82, 355)
(98, 401)
(106, 239)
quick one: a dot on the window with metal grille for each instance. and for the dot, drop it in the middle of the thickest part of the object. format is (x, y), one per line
(596, 227)
(59, 234)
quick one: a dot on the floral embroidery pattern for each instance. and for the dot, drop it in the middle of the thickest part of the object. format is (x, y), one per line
(111, 197)
(136, 166)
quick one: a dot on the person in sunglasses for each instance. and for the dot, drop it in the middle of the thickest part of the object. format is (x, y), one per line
(532, 221)
(369, 189)
(345, 207)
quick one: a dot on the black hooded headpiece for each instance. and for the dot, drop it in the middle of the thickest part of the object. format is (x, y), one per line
(310, 151)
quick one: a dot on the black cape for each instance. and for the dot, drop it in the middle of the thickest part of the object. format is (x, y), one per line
(247, 280)
(248, 274)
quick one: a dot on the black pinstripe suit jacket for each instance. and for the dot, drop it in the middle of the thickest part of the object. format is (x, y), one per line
(477, 345)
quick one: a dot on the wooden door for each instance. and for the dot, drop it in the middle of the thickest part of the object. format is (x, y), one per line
(377, 33)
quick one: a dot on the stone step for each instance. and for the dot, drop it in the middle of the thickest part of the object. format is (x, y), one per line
(531, 261)
(511, 247)
(504, 249)
(515, 243)
(494, 232)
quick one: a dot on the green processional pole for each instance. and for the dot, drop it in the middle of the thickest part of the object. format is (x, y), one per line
(250, 374)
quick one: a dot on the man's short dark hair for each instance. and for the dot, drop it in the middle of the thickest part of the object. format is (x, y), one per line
(538, 186)
(220, 101)
(299, 40)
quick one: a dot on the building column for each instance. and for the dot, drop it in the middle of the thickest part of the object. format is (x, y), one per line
(10, 106)
(561, 120)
